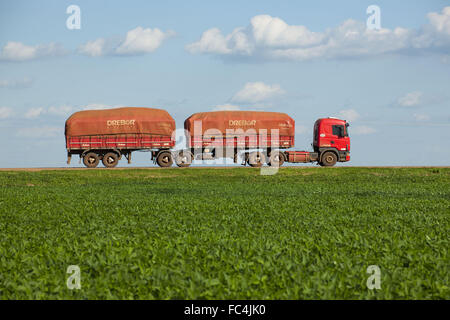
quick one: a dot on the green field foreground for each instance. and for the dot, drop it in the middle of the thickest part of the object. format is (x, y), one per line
(304, 233)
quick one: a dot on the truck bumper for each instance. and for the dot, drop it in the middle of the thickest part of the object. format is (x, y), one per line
(344, 156)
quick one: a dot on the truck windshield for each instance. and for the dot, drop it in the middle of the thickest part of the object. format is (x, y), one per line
(338, 130)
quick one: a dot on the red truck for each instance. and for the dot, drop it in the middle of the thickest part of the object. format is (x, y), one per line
(250, 134)
(254, 137)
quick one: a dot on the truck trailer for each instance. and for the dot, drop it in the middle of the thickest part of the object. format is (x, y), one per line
(107, 135)
(257, 137)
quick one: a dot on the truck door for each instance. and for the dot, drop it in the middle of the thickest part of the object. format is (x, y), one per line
(338, 137)
(326, 136)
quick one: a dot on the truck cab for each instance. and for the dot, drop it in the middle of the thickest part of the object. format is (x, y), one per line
(331, 141)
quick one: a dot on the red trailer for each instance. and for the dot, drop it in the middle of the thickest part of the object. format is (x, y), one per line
(109, 134)
(261, 137)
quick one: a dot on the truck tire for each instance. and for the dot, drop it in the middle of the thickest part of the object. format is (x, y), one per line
(256, 159)
(164, 159)
(110, 160)
(183, 158)
(91, 160)
(329, 159)
(276, 159)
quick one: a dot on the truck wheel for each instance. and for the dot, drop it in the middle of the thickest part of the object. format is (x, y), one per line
(91, 160)
(183, 158)
(110, 160)
(164, 159)
(329, 159)
(276, 159)
(256, 159)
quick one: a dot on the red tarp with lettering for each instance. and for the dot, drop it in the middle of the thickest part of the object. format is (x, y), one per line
(129, 120)
(235, 120)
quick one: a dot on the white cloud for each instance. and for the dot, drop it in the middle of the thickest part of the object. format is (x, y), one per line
(212, 41)
(17, 51)
(40, 132)
(254, 92)
(136, 41)
(421, 117)
(269, 37)
(34, 113)
(16, 84)
(411, 99)
(264, 32)
(349, 115)
(66, 110)
(362, 130)
(274, 32)
(139, 41)
(440, 22)
(94, 48)
(99, 106)
(226, 107)
(5, 112)
(63, 110)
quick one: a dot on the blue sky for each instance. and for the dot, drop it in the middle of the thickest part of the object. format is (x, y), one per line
(309, 59)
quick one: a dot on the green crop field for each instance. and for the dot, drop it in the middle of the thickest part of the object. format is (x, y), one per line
(304, 233)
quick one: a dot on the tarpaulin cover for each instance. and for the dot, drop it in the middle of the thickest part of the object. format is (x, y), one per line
(129, 120)
(257, 120)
